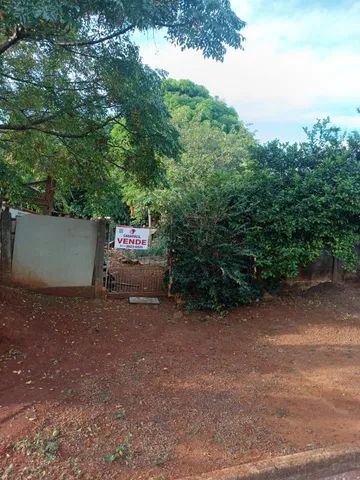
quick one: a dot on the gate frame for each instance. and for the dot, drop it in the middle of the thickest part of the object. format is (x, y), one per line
(133, 291)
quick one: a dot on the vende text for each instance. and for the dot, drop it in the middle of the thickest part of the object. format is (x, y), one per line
(132, 241)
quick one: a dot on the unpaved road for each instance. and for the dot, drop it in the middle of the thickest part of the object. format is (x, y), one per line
(143, 392)
(345, 476)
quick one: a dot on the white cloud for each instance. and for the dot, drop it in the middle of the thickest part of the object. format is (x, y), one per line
(275, 79)
(347, 122)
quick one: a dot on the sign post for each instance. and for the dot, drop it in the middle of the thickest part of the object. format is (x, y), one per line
(132, 238)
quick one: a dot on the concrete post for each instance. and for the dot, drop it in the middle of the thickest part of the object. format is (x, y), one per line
(5, 241)
(336, 273)
(99, 259)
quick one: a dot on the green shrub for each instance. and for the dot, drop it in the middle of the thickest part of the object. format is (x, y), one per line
(290, 204)
(206, 229)
(304, 200)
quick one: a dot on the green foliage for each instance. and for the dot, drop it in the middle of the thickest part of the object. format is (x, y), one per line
(120, 414)
(10, 180)
(43, 445)
(69, 72)
(101, 199)
(209, 26)
(122, 452)
(209, 145)
(206, 230)
(286, 206)
(305, 200)
(188, 102)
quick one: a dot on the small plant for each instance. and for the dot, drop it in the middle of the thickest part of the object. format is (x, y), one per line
(5, 474)
(218, 438)
(46, 446)
(122, 452)
(120, 414)
(23, 445)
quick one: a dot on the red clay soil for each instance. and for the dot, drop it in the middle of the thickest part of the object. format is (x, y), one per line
(103, 389)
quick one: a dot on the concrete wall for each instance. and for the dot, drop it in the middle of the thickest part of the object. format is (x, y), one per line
(322, 270)
(54, 252)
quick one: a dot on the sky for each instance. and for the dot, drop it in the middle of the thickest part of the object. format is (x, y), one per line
(301, 62)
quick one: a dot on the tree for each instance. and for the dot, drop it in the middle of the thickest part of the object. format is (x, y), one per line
(212, 138)
(291, 203)
(192, 103)
(305, 200)
(69, 71)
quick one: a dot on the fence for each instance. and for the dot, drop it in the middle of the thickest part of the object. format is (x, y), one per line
(140, 280)
(54, 255)
(65, 256)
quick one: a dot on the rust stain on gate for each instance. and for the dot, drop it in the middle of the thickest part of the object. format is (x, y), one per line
(140, 280)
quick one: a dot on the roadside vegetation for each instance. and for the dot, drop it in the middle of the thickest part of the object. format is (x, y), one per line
(239, 217)
(234, 216)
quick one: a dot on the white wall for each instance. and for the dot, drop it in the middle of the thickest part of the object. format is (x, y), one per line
(54, 251)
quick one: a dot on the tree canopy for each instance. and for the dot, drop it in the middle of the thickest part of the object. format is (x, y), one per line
(69, 71)
(212, 138)
(291, 203)
(189, 102)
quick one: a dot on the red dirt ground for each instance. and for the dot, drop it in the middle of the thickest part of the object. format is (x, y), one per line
(187, 393)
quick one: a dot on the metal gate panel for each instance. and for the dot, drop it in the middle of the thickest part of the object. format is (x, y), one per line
(141, 280)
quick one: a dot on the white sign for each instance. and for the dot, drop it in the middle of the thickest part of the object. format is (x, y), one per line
(132, 238)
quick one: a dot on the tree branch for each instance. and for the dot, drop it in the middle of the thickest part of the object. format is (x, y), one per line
(22, 127)
(71, 88)
(33, 126)
(120, 167)
(18, 35)
(99, 40)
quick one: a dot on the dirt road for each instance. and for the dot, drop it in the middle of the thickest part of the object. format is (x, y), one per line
(345, 476)
(110, 390)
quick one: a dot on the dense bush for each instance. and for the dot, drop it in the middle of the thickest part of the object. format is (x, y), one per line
(288, 205)
(304, 199)
(206, 231)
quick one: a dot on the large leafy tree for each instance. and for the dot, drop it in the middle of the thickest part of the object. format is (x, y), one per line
(69, 71)
(192, 103)
(212, 138)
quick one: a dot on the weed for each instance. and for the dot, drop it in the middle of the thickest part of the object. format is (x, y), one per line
(74, 465)
(194, 429)
(24, 446)
(288, 450)
(46, 446)
(120, 414)
(218, 438)
(122, 452)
